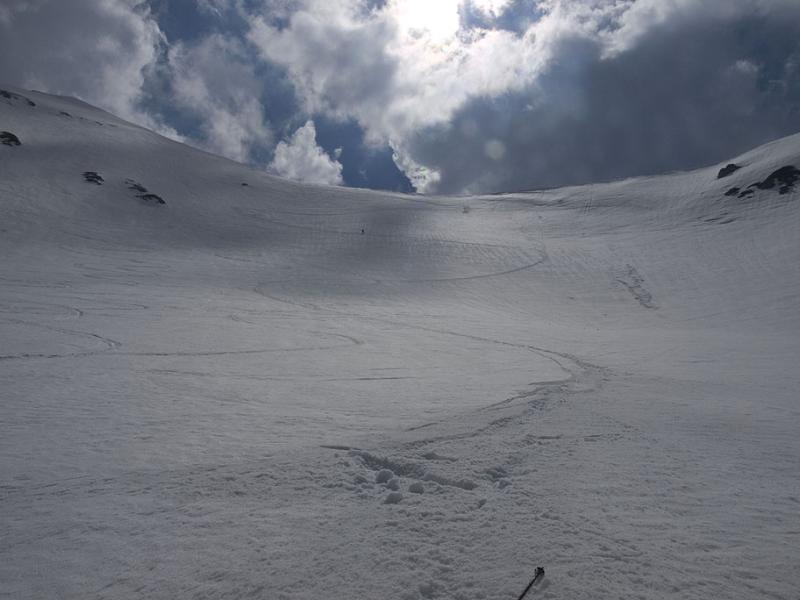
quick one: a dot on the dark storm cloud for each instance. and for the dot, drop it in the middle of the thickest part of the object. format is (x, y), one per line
(542, 93)
(691, 92)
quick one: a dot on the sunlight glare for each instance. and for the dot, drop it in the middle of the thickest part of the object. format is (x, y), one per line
(439, 18)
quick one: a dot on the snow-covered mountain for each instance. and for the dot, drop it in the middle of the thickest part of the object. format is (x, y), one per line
(220, 384)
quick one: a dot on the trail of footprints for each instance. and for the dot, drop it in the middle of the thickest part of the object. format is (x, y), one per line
(392, 480)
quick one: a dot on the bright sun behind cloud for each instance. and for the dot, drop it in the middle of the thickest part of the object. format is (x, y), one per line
(440, 19)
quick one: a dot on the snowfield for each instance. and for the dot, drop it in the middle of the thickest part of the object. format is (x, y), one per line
(214, 385)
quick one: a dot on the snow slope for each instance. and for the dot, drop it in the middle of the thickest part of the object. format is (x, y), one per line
(199, 397)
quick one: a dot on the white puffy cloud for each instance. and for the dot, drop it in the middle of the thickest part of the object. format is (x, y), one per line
(301, 159)
(398, 68)
(215, 81)
(394, 69)
(406, 66)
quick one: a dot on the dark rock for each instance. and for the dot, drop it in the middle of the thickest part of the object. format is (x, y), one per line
(92, 177)
(786, 177)
(144, 195)
(64, 113)
(136, 187)
(9, 139)
(747, 193)
(728, 170)
(152, 199)
(12, 96)
(245, 185)
(733, 191)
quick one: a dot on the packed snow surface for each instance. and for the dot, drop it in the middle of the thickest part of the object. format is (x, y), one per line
(213, 384)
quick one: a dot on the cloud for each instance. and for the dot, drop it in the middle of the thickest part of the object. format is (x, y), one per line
(335, 58)
(302, 159)
(215, 81)
(97, 50)
(466, 95)
(491, 95)
(398, 68)
(656, 87)
(113, 54)
(214, 7)
(385, 69)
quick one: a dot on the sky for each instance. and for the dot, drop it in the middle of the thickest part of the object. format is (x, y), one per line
(431, 96)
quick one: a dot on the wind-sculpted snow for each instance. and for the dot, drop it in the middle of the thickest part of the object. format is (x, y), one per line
(259, 389)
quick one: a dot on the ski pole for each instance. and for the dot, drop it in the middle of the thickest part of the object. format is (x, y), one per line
(538, 574)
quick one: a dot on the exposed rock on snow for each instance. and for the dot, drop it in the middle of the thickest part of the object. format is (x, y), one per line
(12, 97)
(144, 195)
(151, 199)
(136, 187)
(728, 170)
(9, 139)
(92, 177)
(785, 177)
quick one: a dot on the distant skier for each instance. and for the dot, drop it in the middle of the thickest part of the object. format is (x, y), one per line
(362, 231)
